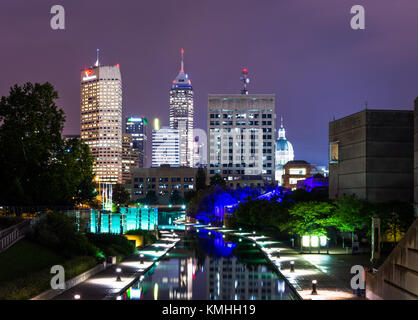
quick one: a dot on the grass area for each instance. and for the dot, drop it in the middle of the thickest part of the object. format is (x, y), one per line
(25, 269)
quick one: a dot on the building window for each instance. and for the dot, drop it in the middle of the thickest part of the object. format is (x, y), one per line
(333, 152)
(298, 171)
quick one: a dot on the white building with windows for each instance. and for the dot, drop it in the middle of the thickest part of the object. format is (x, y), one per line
(101, 120)
(241, 136)
(165, 147)
(182, 113)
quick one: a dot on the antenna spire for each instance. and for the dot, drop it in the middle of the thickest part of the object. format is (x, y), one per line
(281, 121)
(245, 80)
(182, 60)
(97, 61)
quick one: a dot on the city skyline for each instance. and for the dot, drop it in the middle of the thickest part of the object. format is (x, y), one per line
(319, 68)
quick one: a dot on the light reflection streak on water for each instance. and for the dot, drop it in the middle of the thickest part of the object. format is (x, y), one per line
(210, 267)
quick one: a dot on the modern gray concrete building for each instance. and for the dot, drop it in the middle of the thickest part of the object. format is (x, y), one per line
(371, 155)
(241, 131)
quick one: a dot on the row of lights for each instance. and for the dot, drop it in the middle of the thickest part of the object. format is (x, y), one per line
(292, 263)
(119, 271)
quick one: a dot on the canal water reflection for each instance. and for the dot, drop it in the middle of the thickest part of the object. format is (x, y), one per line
(207, 265)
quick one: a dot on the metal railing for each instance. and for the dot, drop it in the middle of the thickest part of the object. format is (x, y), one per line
(11, 235)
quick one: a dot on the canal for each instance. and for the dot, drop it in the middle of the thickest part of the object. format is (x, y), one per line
(208, 265)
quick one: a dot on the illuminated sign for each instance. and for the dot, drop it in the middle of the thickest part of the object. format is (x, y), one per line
(88, 75)
(314, 241)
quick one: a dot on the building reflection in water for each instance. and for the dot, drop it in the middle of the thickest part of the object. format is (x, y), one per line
(197, 270)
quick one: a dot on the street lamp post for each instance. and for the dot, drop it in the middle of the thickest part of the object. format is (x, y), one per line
(118, 271)
(314, 283)
(292, 266)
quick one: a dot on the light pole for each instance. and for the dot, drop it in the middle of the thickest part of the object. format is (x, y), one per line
(118, 271)
(314, 283)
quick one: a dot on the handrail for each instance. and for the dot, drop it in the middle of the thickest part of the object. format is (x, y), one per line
(11, 235)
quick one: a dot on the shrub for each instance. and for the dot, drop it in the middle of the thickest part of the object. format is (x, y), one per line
(111, 244)
(58, 232)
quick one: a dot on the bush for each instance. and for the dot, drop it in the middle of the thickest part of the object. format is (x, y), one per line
(58, 232)
(111, 244)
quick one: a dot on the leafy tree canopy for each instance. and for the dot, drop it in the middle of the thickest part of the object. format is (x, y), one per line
(308, 218)
(176, 198)
(217, 180)
(40, 167)
(120, 195)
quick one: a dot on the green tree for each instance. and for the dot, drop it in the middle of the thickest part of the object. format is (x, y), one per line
(39, 167)
(120, 195)
(217, 180)
(176, 198)
(200, 179)
(150, 198)
(59, 232)
(308, 218)
(260, 213)
(396, 218)
(350, 215)
(74, 171)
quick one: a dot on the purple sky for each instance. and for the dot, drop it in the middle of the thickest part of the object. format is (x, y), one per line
(304, 51)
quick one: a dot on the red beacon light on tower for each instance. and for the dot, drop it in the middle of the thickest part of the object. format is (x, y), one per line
(245, 80)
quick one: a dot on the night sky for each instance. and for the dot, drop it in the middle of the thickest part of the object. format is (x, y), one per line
(304, 51)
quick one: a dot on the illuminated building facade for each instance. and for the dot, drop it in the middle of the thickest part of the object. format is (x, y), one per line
(284, 152)
(181, 114)
(294, 171)
(165, 147)
(242, 136)
(101, 120)
(136, 126)
(130, 158)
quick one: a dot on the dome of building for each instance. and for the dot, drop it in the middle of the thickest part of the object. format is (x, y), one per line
(284, 149)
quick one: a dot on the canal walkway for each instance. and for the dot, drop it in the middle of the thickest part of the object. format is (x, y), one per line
(109, 283)
(330, 271)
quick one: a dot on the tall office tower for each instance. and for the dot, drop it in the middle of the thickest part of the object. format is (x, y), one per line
(130, 158)
(181, 113)
(101, 120)
(165, 147)
(136, 126)
(242, 136)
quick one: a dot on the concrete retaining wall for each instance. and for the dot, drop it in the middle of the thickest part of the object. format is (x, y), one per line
(51, 293)
(397, 278)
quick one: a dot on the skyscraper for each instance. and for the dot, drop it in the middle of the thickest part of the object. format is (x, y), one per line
(136, 126)
(165, 147)
(101, 120)
(241, 135)
(181, 114)
(130, 158)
